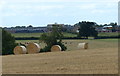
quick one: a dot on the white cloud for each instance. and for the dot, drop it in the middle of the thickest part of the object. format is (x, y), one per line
(110, 4)
(98, 11)
(2, 4)
(29, 14)
(87, 6)
(47, 7)
(9, 14)
(37, 7)
(28, 10)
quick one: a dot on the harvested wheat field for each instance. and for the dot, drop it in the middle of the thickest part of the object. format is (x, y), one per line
(100, 58)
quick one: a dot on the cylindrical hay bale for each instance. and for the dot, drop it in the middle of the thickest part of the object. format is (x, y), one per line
(83, 45)
(20, 50)
(33, 48)
(56, 48)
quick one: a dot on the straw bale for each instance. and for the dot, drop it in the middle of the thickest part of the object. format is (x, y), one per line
(33, 48)
(20, 50)
(83, 45)
(56, 48)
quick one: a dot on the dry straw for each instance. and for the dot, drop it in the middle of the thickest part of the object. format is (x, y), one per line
(33, 48)
(20, 50)
(56, 48)
(83, 45)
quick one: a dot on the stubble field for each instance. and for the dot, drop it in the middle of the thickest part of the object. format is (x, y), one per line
(100, 58)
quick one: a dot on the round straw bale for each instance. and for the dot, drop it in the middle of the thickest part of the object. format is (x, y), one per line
(20, 50)
(56, 48)
(83, 45)
(33, 48)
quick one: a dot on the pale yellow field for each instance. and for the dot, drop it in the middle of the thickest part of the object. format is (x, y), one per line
(100, 58)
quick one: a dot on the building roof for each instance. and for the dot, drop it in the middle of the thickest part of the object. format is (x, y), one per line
(107, 26)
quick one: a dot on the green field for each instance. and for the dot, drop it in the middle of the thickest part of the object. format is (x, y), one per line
(108, 34)
(26, 34)
(65, 34)
(72, 44)
(39, 34)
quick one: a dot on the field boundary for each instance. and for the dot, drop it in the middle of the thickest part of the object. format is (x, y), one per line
(36, 38)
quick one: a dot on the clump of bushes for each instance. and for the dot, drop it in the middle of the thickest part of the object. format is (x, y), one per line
(53, 38)
(8, 43)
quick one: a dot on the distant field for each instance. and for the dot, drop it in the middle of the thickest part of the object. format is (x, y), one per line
(108, 34)
(65, 34)
(100, 58)
(26, 34)
(39, 34)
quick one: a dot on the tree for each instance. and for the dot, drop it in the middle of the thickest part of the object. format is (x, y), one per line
(87, 29)
(113, 26)
(30, 26)
(53, 38)
(8, 43)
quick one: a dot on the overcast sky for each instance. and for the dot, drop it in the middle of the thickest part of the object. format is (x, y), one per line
(43, 12)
